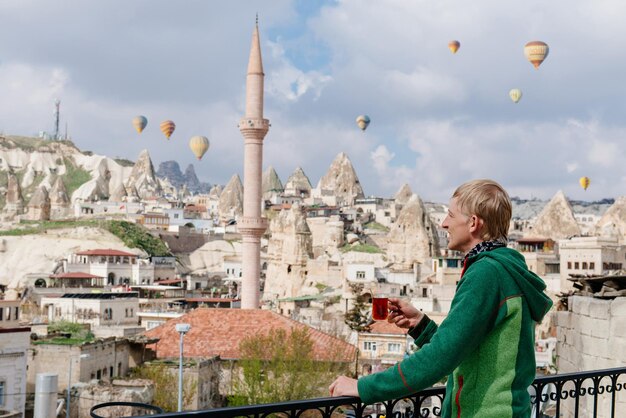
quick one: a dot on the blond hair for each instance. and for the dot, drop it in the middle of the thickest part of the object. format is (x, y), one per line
(490, 202)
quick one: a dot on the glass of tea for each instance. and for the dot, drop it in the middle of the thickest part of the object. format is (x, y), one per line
(380, 306)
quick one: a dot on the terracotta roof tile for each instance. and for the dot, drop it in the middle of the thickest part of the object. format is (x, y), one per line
(384, 327)
(216, 331)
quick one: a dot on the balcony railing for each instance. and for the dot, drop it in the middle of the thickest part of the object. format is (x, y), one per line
(583, 394)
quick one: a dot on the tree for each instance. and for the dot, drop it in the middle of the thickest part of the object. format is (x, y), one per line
(165, 379)
(357, 318)
(279, 367)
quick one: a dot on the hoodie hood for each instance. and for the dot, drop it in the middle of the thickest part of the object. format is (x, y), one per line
(531, 285)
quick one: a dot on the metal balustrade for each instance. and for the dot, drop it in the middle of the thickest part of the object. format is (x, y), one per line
(578, 395)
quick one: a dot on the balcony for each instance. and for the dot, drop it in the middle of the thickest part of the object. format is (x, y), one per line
(598, 393)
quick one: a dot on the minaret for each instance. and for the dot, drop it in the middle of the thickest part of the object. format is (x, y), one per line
(252, 225)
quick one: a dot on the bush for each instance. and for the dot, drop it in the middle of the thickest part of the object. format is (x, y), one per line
(136, 236)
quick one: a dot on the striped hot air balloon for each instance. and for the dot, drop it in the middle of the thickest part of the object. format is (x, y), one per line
(199, 145)
(167, 127)
(140, 122)
(454, 46)
(536, 52)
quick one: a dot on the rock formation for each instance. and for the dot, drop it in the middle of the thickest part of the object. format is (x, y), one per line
(271, 183)
(613, 222)
(143, 178)
(38, 208)
(403, 195)
(288, 251)
(231, 199)
(170, 170)
(60, 205)
(556, 220)
(298, 184)
(119, 194)
(14, 200)
(340, 181)
(413, 237)
(215, 192)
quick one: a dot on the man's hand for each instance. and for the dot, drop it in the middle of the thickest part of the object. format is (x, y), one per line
(344, 386)
(403, 314)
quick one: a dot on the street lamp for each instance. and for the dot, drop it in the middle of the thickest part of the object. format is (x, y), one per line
(69, 384)
(182, 329)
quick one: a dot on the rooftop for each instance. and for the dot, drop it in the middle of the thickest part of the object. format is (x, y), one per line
(216, 331)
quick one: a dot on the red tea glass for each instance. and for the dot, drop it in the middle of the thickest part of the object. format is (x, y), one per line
(380, 307)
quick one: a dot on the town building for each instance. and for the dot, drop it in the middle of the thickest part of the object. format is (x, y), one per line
(219, 332)
(381, 347)
(589, 256)
(14, 343)
(106, 313)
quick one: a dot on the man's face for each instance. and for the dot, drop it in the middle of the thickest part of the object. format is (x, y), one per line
(458, 226)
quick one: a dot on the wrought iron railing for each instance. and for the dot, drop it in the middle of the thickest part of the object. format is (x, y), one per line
(577, 395)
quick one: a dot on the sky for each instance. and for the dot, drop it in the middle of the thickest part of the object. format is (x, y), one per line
(437, 119)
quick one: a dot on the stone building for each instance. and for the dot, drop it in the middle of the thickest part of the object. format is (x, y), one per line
(591, 335)
(589, 256)
(14, 343)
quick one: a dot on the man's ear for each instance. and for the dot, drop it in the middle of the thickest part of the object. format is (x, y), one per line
(476, 224)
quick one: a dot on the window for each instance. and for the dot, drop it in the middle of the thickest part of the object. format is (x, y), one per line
(369, 345)
(584, 265)
(424, 292)
(394, 347)
(360, 274)
(108, 314)
(569, 265)
(592, 265)
(576, 265)
(2, 391)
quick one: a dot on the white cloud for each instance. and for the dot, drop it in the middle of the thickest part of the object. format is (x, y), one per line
(287, 82)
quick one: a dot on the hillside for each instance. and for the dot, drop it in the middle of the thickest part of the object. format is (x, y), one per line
(26, 256)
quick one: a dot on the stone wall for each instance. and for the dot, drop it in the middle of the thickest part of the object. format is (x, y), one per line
(591, 335)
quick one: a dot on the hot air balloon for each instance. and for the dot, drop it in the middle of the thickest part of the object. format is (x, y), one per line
(363, 121)
(454, 46)
(584, 182)
(140, 122)
(167, 127)
(199, 145)
(536, 52)
(516, 95)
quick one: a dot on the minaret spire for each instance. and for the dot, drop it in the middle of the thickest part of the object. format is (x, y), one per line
(253, 128)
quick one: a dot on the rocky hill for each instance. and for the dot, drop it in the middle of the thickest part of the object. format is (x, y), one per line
(170, 170)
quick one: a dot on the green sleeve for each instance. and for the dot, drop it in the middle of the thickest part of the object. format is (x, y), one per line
(470, 319)
(424, 331)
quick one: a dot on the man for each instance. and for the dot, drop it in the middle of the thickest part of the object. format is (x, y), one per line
(486, 343)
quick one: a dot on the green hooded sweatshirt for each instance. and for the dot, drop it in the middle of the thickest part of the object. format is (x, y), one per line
(486, 344)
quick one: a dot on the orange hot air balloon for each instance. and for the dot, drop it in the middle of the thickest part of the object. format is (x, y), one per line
(140, 122)
(584, 182)
(167, 127)
(536, 52)
(199, 145)
(454, 46)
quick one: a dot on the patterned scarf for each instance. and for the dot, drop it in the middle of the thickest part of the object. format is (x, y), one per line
(485, 246)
